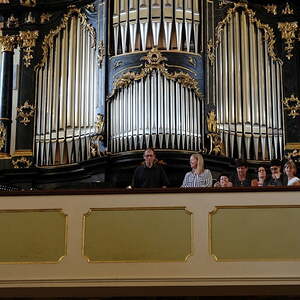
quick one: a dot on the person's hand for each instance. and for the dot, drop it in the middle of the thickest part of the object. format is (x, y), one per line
(217, 184)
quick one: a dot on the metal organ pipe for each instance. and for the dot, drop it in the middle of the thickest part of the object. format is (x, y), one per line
(156, 111)
(248, 91)
(66, 97)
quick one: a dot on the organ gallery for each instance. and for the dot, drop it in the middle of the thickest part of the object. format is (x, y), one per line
(86, 86)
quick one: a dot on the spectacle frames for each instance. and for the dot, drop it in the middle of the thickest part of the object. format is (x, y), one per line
(274, 168)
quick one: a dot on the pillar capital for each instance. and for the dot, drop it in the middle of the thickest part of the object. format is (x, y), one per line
(8, 43)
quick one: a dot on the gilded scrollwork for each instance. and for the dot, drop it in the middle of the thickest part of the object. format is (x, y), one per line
(271, 9)
(28, 3)
(27, 42)
(292, 105)
(21, 163)
(49, 39)
(25, 112)
(211, 122)
(268, 31)
(154, 60)
(8, 43)
(287, 10)
(3, 132)
(100, 124)
(101, 53)
(45, 17)
(210, 51)
(12, 22)
(288, 33)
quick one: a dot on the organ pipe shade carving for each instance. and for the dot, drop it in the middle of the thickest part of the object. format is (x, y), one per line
(66, 97)
(248, 88)
(168, 24)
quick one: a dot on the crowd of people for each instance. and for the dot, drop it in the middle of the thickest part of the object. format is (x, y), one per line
(152, 175)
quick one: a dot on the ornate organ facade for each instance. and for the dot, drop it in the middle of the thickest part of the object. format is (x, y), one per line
(107, 78)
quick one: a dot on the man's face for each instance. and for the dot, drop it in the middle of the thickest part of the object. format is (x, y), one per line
(242, 171)
(275, 170)
(149, 158)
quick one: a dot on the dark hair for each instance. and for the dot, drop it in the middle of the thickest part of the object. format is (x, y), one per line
(224, 174)
(261, 166)
(241, 163)
(275, 162)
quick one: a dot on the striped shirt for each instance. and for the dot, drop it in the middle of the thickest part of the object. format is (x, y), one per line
(191, 179)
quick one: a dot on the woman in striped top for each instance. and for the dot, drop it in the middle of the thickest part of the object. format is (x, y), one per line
(198, 177)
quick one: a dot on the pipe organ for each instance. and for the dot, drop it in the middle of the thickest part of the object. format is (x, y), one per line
(110, 78)
(66, 96)
(248, 89)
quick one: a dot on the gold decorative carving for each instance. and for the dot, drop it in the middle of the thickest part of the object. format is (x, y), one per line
(192, 61)
(45, 17)
(2, 135)
(269, 35)
(292, 105)
(288, 33)
(27, 42)
(117, 64)
(287, 10)
(212, 122)
(30, 19)
(49, 39)
(12, 22)
(91, 7)
(101, 53)
(100, 124)
(216, 144)
(8, 43)
(155, 61)
(4, 1)
(28, 3)
(21, 163)
(25, 112)
(210, 51)
(271, 8)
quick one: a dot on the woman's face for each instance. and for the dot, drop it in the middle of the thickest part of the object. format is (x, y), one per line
(261, 172)
(290, 171)
(193, 162)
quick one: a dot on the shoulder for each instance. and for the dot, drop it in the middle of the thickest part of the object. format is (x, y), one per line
(207, 172)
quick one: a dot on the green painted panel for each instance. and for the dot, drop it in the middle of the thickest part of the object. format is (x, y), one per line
(137, 235)
(32, 236)
(255, 233)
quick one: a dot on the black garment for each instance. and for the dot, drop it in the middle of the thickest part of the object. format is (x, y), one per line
(145, 177)
(281, 181)
(236, 182)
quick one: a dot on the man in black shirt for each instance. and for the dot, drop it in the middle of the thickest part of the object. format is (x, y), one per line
(277, 178)
(150, 174)
(241, 178)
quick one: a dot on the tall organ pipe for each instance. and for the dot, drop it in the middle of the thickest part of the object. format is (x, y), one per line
(247, 100)
(66, 98)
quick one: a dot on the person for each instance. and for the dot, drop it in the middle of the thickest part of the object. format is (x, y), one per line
(241, 178)
(150, 174)
(290, 170)
(277, 178)
(198, 177)
(261, 177)
(223, 181)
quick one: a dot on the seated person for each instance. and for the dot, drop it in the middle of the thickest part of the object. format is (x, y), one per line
(241, 178)
(223, 181)
(198, 177)
(290, 170)
(261, 177)
(277, 178)
(150, 174)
